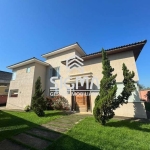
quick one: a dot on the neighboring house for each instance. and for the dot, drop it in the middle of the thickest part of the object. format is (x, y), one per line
(5, 78)
(25, 74)
(143, 95)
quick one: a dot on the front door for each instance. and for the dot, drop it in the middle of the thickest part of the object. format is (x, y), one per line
(81, 99)
(81, 102)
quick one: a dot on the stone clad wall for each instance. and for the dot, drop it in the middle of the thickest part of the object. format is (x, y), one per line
(24, 83)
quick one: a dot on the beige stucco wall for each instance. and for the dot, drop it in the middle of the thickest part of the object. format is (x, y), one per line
(55, 61)
(24, 83)
(125, 57)
(135, 110)
(77, 53)
(95, 66)
(40, 70)
(116, 61)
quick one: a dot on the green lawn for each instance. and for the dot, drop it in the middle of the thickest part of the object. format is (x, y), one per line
(116, 135)
(88, 135)
(12, 123)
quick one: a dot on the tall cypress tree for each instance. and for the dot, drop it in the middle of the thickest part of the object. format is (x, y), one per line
(129, 87)
(103, 110)
(38, 103)
(106, 102)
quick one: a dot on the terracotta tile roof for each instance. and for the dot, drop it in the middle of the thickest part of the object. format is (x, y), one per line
(119, 47)
(135, 47)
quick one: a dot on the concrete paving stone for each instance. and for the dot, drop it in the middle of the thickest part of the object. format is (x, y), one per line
(54, 128)
(79, 117)
(73, 118)
(45, 134)
(65, 121)
(32, 141)
(61, 125)
(9, 145)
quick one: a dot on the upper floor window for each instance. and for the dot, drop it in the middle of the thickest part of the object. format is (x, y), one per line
(14, 76)
(55, 72)
(28, 70)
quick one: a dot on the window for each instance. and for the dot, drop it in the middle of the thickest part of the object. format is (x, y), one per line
(6, 90)
(14, 93)
(28, 70)
(14, 76)
(54, 72)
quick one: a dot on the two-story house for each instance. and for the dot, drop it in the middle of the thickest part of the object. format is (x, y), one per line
(55, 69)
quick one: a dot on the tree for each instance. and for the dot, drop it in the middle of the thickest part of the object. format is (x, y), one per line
(106, 102)
(142, 87)
(129, 87)
(103, 104)
(148, 95)
(38, 103)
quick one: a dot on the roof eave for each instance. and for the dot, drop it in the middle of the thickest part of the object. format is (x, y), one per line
(27, 62)
(137, 48)
(73, 46)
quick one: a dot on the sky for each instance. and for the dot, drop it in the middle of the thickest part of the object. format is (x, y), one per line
(31, 28)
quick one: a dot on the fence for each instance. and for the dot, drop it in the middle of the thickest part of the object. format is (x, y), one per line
(3, 99)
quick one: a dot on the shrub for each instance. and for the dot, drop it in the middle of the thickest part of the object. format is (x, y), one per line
(27, 108)
(58, 102)
(49, 103)
(38, 103)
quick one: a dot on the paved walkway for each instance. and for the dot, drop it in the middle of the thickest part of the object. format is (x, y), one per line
(41, 137)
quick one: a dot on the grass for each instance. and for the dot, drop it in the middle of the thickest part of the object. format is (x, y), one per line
(115, 135)
(12, 123)
(87, 135)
